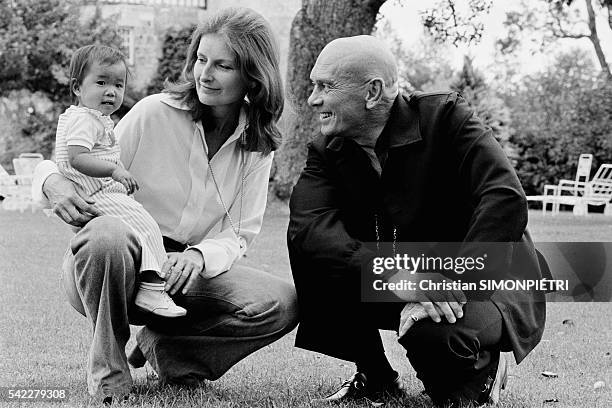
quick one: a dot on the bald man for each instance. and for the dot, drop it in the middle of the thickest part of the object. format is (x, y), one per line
(388, 167)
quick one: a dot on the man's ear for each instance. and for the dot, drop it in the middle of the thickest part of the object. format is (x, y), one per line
(375, 89)
(75, 87)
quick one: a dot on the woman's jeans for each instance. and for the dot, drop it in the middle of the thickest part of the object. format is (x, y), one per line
(229, 316)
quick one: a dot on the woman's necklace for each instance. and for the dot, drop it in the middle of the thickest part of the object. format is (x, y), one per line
(229, 217)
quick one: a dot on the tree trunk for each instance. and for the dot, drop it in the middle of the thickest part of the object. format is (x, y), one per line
(594, 37)
(316, 23)
(608, 5)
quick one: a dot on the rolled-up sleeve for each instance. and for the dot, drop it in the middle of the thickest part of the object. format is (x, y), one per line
(42, 171)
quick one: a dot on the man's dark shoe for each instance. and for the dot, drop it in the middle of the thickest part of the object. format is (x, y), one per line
(136, 358)
(484, 390)
(358, 387)
(108, 400)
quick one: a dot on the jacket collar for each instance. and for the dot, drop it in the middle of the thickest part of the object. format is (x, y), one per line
(402, 127)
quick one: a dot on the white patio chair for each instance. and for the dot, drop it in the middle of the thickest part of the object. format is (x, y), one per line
(26, 162)
(17, 188)
(566, 187)
(596, 192)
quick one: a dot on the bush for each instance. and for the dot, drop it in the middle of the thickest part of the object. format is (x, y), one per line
(174, 53)
(490, 108)
(37, 40)
(559, 114)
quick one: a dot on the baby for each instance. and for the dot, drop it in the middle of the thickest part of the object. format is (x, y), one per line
(87, 153)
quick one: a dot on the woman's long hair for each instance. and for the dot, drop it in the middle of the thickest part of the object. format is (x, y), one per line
(249, 35)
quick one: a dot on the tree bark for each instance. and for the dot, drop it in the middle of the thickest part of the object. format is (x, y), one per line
(316, 23)
(608, 5)
(594, 37)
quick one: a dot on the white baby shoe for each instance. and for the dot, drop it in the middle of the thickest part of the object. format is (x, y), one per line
(153, 298)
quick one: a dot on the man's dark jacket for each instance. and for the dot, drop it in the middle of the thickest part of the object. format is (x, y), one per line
(445, 179)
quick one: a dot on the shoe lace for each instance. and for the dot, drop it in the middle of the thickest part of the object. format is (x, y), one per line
(167, 299)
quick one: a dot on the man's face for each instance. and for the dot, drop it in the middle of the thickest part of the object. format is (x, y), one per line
(338, 98)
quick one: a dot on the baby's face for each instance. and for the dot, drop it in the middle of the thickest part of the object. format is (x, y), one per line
(103, 87)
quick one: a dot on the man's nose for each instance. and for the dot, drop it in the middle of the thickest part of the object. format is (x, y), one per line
(314, 99)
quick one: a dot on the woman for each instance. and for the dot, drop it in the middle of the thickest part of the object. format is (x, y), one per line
(201, 152)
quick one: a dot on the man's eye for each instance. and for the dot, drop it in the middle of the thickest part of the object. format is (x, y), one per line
(100, 82)
(201, 59)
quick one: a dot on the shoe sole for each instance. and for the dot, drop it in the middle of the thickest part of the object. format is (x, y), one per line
(157, 313)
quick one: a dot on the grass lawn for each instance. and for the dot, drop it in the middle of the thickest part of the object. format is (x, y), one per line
(44, 342)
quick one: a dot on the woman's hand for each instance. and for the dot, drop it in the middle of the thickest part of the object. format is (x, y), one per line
(69, 201)
(182, 270)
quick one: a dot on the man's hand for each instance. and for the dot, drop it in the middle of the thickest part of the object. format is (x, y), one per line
(410, 314)
(437, 303)
(182, 270)
(124, 177)
(69, 201)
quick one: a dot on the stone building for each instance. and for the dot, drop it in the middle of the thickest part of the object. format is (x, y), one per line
(143, 24)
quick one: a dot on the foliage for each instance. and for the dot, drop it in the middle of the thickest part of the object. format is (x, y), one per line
(37, 39)
(486, 104)
(424, 66)
(535, 26)
(557, 115)
(607, 4)
(174, 54)
(447, 21)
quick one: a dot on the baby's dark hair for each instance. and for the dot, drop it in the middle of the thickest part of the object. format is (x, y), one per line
(84, 57)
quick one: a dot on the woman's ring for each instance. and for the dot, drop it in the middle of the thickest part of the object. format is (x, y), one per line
(414, 318)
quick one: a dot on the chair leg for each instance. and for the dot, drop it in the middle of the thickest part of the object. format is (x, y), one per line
(580, 209)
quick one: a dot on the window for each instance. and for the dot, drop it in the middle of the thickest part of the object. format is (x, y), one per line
(127, 43)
